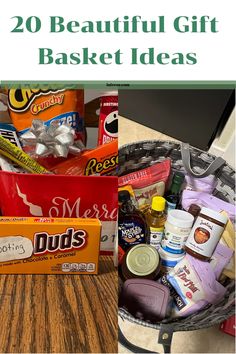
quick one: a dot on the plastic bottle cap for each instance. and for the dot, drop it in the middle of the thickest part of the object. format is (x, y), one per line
(123, 196)
(142, 260)
(180, 218)
(158, 203)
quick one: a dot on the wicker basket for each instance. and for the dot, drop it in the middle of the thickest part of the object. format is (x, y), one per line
(143, 154)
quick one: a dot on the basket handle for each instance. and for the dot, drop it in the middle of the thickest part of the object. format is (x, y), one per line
(185, 152)
(165, 338)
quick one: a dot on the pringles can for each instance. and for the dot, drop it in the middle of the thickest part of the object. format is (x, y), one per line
(108, 118)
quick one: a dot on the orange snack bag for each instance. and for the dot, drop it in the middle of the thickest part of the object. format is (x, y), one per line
(99, 161)
(65, 106)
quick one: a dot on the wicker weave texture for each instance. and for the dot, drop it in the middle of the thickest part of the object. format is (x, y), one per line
(143, 154)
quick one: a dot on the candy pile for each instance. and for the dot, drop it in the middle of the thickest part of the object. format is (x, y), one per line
(48, 131)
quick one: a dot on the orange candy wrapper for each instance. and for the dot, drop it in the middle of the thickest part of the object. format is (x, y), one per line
(100, 161)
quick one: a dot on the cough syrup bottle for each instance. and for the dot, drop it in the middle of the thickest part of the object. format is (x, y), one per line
(132, 226)
(156, 219)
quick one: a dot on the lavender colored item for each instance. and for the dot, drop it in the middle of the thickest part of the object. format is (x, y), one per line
(195, 283)
(205, 184)
(220, 259)
(208, 201)
(145, 299)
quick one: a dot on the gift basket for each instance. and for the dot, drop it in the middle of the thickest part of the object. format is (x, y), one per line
(209, 187)
(48, 174)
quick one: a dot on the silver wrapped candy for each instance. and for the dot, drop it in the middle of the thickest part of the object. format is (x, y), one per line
(55, 139)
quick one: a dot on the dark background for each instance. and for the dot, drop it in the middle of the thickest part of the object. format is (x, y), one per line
(195, 116)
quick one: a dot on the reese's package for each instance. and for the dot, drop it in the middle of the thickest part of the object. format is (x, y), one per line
(102, 160)
(49, 246)
(65, 106)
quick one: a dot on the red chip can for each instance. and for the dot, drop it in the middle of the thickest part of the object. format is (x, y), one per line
(108, 118)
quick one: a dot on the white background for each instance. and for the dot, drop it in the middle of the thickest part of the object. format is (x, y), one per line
(215, 52)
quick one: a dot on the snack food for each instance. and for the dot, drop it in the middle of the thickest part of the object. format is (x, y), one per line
(7, 165)
(100, 161)
(47, 104)
(148, 182)
(49, 246)
(9, 132)
(108, 119)
(15, 154)
(47, 195)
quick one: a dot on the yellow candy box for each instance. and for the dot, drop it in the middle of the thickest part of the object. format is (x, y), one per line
(49, 245)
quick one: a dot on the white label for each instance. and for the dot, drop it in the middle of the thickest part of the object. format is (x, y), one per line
(188, 281)
(173, 242)
(91, 267)
(79, 267)
(15, 247)
(156, 235)
(108, 235)
(204, 237)
(144, 195)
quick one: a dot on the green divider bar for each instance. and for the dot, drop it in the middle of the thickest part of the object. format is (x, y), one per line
(119, 85)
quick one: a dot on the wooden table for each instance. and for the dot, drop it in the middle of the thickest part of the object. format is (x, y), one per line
(59, 313)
